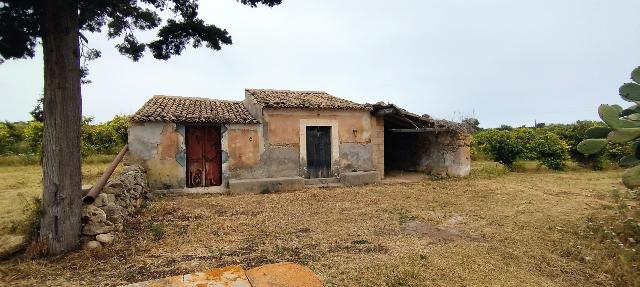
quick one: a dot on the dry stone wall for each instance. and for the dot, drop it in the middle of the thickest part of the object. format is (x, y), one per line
(446, 154)
(119, 199)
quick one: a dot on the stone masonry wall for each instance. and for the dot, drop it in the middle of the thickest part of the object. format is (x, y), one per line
(119, 199)
(377, 139)
(446, 154)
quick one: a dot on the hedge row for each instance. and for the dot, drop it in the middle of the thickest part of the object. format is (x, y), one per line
(552, 145)
(25, 138)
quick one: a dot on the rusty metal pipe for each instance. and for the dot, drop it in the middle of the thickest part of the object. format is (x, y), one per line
(97, 188)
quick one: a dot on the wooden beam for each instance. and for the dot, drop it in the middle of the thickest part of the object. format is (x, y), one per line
(419, 130)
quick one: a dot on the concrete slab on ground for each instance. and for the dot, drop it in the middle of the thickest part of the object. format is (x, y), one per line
(226, 276)
(284, 274)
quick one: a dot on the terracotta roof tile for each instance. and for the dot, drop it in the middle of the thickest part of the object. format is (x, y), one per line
(302, 100)
(193, 110)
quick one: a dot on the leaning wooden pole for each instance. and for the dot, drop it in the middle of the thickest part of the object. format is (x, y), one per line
(97, 188)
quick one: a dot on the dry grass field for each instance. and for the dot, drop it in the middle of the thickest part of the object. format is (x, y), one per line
(491, 229)
(18, 184)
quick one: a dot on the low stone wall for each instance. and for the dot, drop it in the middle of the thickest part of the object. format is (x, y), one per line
(119, 199)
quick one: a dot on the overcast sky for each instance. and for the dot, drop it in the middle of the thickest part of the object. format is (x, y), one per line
(501, 61)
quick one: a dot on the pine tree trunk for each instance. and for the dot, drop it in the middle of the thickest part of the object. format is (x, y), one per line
(61, 196)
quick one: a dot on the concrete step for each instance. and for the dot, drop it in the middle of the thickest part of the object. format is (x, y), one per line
(321, 181)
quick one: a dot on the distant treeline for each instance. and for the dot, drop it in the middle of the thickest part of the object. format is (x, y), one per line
(25, 138)
(551, 144)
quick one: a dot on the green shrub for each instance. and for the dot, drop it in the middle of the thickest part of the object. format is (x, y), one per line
(525, 138)
(105, 138)
(573, 134)
(6, 141)
(500, 145)
(33, 136)
(615, 151)
(21, 143)
(551, 151)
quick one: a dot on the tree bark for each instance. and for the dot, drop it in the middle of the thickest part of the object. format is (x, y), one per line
(60, 225)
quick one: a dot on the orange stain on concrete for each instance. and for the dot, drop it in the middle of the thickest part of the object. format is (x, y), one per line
(169, 141)
(243, 148)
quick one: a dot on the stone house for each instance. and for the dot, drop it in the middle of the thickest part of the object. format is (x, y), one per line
(282, 140)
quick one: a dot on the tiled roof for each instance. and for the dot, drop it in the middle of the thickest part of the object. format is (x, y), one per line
(193, 110)
(301, 100)
(424, 121)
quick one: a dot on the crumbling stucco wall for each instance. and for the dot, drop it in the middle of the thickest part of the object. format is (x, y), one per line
(268, 150)
(160, 148)
(248, 158)
(445, 153)
(377, 140)
(283, 135)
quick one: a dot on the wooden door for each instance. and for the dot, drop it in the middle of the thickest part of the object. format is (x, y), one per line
(204, 161)
(319, 152)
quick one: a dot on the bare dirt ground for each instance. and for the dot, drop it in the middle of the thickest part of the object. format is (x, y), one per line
(516, 229)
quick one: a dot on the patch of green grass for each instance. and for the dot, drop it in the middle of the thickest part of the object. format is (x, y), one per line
(436, 177)
(360, 242)
(487, 170)
(19, 160)
(98, 159)
(265, 190)
(403, 214)
(156, 230)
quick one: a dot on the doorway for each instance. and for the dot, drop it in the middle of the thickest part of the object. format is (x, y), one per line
(204, 160)
(318, 151)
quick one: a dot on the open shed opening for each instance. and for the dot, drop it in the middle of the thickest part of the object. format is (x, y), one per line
(402, 150)
(410, 141)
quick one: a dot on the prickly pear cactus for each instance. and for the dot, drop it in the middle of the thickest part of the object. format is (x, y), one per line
(623, 125)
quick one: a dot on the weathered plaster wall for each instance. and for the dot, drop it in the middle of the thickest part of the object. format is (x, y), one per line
(249, 159)
(268, 150)
(159, 148)
(283, 126)
(377, 140)
(282, 136)
(445, 154)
